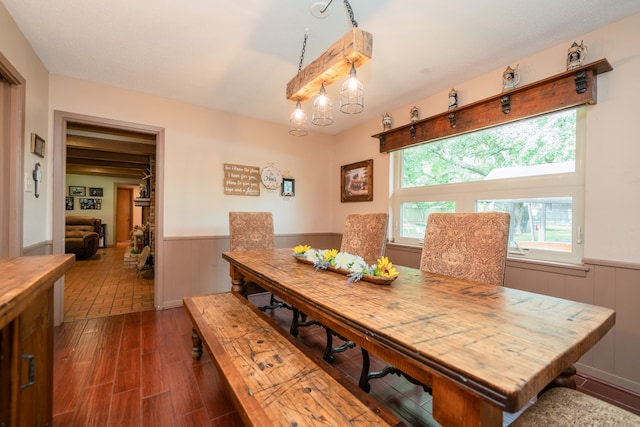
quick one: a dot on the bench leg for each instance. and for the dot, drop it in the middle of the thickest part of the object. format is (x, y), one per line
(196, 351)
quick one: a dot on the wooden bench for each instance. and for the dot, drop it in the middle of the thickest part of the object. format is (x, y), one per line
(563, 406)
(271, 380)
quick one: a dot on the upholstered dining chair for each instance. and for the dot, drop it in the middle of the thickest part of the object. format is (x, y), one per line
(471, 246)
(364, 235)
(253, 231)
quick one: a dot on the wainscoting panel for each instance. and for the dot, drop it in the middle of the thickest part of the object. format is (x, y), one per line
(194, 265)
(615, 358)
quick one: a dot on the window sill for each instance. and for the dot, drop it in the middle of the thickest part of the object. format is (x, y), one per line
(578, 270)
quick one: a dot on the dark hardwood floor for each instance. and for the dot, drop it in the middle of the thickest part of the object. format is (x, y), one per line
(135, 369)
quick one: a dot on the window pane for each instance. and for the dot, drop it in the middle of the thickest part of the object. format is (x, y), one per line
(538, 146)
(541, 224)
(415, 214)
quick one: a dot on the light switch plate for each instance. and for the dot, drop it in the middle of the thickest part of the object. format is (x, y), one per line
(28, 183)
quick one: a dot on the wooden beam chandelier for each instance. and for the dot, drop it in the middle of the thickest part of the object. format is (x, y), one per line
(341, 59)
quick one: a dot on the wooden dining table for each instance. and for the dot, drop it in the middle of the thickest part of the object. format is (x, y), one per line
(482, 349)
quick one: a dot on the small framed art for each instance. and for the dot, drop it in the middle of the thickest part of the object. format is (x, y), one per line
(288, 187)
(69, 203)
(356, 182)
(75, 190)
(95, 192)
(37, 145)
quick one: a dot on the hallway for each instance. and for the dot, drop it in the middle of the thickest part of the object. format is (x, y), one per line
(101, 286)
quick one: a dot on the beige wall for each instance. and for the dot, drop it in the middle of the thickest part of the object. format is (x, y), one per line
(13, 45)
(198, 141)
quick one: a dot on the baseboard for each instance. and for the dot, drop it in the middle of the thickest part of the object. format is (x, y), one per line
(611, 393)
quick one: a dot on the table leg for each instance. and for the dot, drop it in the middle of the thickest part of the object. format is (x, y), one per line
(565, 379)
(196, 351)
(237, 280)
(453, 405)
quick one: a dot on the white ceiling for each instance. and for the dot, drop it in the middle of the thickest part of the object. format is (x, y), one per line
(238, 56)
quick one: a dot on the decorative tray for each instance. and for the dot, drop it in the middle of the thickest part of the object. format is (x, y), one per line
(366, 277)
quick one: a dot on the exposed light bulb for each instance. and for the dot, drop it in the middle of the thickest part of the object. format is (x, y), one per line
(353, 79)
(322, 109)
(298, 121)
(353, 83)
(352, 94)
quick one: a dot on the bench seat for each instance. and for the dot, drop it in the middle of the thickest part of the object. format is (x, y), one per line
(563, 406)
(271, 380)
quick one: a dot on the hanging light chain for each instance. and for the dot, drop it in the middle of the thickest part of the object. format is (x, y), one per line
(304, 47)
(350, 12)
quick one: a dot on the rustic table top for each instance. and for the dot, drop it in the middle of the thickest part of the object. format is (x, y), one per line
(23, 278)
(499, 343)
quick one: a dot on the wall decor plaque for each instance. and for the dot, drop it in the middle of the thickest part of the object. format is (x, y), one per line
(241, 180)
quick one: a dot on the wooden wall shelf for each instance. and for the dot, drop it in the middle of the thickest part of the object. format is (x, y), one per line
(141, 201)
(564, 90)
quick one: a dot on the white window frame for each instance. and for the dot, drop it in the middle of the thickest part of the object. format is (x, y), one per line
(465, 195)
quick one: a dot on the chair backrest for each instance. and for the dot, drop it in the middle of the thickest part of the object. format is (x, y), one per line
(469, 246)
(251, 230)
(365, 235)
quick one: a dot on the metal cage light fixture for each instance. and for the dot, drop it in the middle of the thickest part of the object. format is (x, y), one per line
(342, 58)
(298, 122)
(352, 94)
(322, 109)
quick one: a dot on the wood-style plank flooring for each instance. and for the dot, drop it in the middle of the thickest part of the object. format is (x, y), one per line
(135, 369)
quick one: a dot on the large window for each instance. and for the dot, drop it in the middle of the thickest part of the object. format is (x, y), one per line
(531, 168)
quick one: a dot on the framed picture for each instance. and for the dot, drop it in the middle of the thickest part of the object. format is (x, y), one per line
(95, 192)
(75, 190)
(288, 187)
(68, 203)
(37, 145)
(356, 182)
(90, 203)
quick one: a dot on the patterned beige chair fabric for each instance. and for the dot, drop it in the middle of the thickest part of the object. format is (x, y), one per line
(365, 235)
(251, 231)
(469, 246)
(560, 407)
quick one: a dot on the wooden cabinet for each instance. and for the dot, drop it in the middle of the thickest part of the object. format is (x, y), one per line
(26, 338)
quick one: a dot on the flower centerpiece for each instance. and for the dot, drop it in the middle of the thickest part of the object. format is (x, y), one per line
(354, 266)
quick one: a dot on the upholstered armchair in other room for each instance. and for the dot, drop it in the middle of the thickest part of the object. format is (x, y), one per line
(253, 231)
(470, 246)
(82, 235)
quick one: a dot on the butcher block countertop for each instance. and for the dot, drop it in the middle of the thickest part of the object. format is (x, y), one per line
(24, 278)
